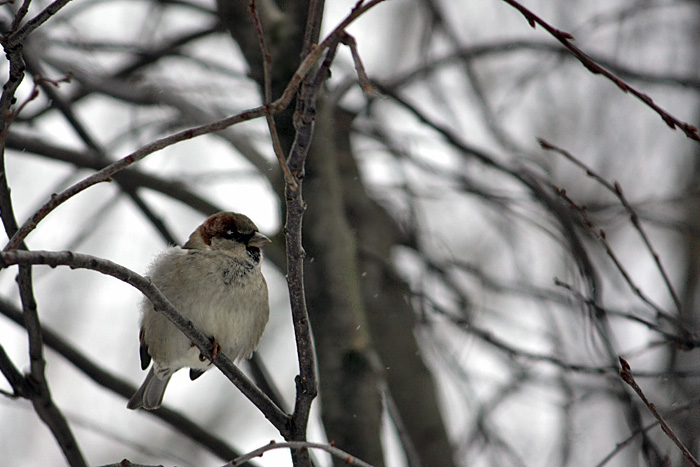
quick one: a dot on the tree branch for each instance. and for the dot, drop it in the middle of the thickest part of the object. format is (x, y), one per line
(161, 304)
(565, 38)
(627, 377)
(99, 375)
(299, 445)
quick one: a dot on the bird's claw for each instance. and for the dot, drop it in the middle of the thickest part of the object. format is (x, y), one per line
(215, 351)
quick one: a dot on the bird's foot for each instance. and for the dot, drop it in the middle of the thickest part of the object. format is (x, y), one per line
(215, 351)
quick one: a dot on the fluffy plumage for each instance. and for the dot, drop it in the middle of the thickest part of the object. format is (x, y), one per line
(215, 281)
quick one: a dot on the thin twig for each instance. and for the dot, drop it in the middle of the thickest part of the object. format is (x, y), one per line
(106, 173)
(20, 14)
(97, 373)
(627, 377)
(267, 85)
(15, 39)
(362, 77)
(277, 106)
(616, 189)
(601, 237)
(298, 445)
(565, 38)
(627, 441)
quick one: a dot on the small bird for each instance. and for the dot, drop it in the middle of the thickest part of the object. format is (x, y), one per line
(215, 281)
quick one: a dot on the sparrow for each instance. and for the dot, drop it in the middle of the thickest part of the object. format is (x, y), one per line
(215, 281)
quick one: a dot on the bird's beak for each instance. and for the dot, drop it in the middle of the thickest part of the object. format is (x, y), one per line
(258, 240)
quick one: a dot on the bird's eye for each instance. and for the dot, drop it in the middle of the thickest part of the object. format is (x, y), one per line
(236, 235)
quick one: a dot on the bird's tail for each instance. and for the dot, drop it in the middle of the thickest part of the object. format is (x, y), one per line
(150, 395)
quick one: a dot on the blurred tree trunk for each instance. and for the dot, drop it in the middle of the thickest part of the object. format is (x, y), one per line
(360, 311)
(687, 425)
(350, 398)
(390, 314)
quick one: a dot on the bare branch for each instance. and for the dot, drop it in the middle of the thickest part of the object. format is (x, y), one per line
(565, 38)
(299, 445)
(105, 174)
(99, 375)
(626, 442)
(616, 190)
(18, 36)
(267, 78)
(627, 377)
(161, 304)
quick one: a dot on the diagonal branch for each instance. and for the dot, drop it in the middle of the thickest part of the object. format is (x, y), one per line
(117, 385)
(161, 304)
(627, 377)
(15, 39)
(616, 190)
(299, 445)
(106, 173)
(565, 38)
(267, 85)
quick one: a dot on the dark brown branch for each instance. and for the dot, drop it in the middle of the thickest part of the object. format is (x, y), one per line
(98, 374)
(161, 304)
(306, 384)
(16, 37)
(39, 393)
(627, 377)
(616, 190)
(19, 16)
(299, 445)
(131, 176)
(565, 38)
(36, 387)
